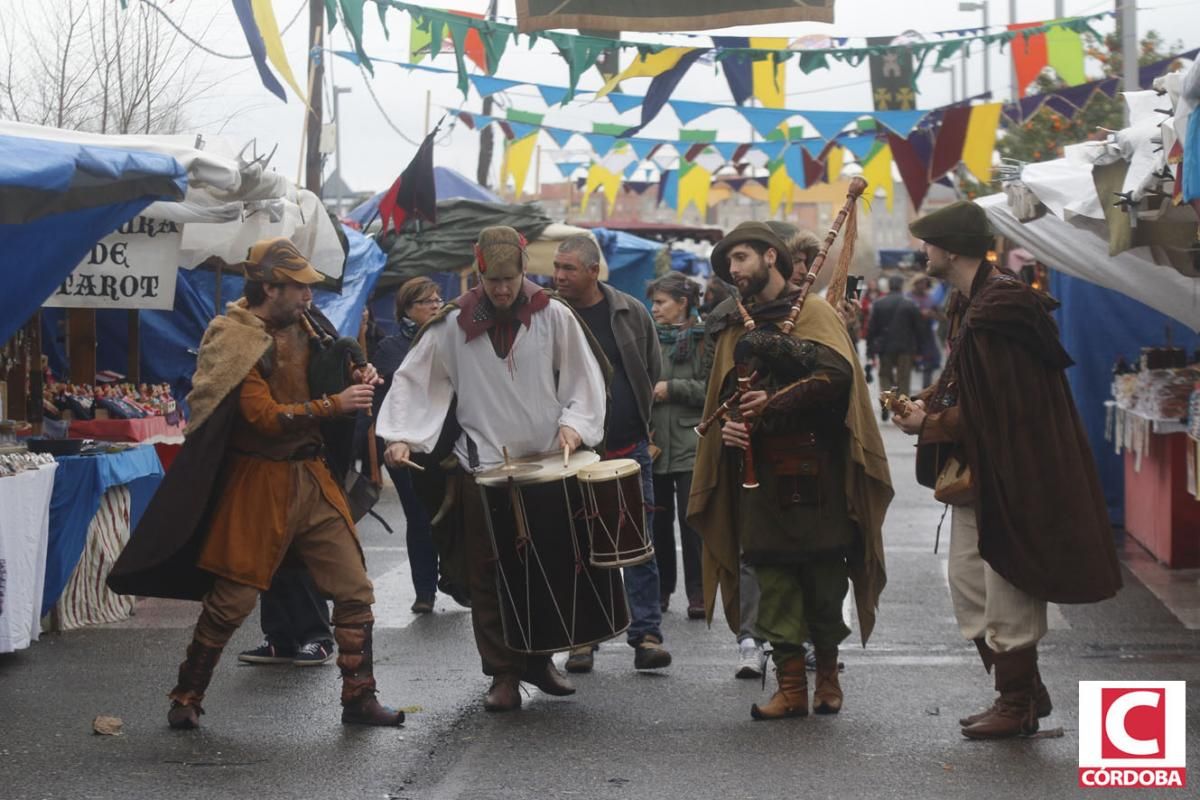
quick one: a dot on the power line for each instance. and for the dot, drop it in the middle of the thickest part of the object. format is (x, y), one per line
(196, 43)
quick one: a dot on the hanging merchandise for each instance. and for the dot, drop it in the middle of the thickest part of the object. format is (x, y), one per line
(892, 84)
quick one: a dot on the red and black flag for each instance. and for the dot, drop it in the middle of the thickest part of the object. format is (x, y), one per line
(414, 193)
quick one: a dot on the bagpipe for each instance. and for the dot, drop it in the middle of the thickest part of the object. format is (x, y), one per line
(774, 350)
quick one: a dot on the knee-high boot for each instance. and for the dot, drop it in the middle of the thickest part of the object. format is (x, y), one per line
(1015, 711)
(791, 698)
(194, 675)
(359, 706)
(988, 657)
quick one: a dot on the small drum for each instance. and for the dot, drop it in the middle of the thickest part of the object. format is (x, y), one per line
(551, 597)
(615, 511)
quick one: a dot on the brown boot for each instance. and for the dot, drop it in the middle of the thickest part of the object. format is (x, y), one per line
(504, 694)
(359, 706)
(791, 698)
(546, 677)
(1015, 711)
(827, 697)
(194, 674)
(988, 657)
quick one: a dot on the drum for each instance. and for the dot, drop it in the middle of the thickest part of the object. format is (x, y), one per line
(551, 597)
(615, 511)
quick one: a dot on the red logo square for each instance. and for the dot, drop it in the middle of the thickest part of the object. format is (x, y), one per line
(1134, 722)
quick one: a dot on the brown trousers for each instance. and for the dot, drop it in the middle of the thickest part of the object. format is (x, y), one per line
(895, 370)
(329, 548)
(486, 618)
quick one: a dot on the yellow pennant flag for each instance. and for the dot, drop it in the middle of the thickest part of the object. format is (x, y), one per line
(693, 190)
(878, 174)
(770, 82)
(518, 155)
(981, 140)
(598, 177)
(264, 18)
(647, 65)
(781, 189)
(834, 163)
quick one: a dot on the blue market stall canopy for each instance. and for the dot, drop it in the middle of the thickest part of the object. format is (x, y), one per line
(57, 199)
(632, 260)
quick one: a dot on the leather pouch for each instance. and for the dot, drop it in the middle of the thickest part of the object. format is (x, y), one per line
(954, 485)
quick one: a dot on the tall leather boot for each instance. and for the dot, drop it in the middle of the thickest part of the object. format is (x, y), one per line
(791, 698)
(1015, 711)
(827, 697)
(988, 657)
(194, 674)
(359, 706)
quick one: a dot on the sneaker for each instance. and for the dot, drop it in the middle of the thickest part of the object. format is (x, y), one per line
(752, 659)
(267, 653)
(650, 654)
(580, 660)
(423, 605)
(314, 654)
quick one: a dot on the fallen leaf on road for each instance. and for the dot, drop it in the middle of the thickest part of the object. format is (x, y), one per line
(107, 726)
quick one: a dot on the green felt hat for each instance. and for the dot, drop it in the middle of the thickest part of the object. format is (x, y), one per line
(750, 232)
(960, 227)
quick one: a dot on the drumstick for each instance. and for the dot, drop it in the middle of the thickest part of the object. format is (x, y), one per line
(506, 462)
(412, 464)
(566, 456)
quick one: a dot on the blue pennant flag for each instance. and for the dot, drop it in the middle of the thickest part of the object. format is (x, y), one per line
(727, 149)
(568, 168)
(624, 102)
(553, 95)
(642, 147)
(560, 135)
(670, 194)
(900, 123)
(522, 129)
(600, 143)
(830, 123)
(793, 161)
(765, 120)
(629, 170)
(482, 120)
(688, 110)
(488, 86)
(771, 149)
(860, 146)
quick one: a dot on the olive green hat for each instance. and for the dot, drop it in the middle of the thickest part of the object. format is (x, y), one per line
(500, 252)
(960, 227)
(750, 232)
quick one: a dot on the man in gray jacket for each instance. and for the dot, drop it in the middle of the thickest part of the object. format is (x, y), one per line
(626, 333)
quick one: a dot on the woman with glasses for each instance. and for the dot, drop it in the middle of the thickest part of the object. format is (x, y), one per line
(417, 301)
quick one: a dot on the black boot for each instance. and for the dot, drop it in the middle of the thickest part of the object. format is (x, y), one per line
(194, 675)
(359, 706)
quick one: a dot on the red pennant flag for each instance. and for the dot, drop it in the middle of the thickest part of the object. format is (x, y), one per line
(951, 135)
(414, 192)
(814, 170)
(1030, 56)
(913, 170)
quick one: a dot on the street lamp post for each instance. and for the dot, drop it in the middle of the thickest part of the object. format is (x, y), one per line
(987, 67)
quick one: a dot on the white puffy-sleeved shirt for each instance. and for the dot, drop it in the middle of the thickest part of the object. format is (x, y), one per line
(549, 378)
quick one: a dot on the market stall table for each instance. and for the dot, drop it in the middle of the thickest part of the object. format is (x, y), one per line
(90, 521)
(24, 533)
(1160, 514)
(166, 438)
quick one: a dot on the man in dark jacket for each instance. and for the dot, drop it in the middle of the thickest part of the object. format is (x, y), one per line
(626, 333)
(1030, 524)
(894, 334)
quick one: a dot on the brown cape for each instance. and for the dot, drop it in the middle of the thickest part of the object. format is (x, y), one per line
(868, 482)
(1043, 523)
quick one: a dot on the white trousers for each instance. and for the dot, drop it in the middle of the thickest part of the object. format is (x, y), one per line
(985, 604)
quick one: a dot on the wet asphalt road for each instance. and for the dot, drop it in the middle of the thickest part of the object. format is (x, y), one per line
(273, 732)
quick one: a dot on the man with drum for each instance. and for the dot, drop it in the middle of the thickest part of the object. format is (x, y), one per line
(799, 482)
(526, 382)
(626, 333)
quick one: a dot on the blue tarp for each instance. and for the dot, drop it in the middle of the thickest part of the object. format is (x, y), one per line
(449, 184)
(690, 264)
(1097, 325)
(79, 484)
(57, 199)
(630, 260)
(169, 339)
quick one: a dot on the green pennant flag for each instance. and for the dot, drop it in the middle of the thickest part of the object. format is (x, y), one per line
(686, 135)
(609, 128)
(580, 52)
(526, 117)
(352, 14)
(458, 35)
(419, 41)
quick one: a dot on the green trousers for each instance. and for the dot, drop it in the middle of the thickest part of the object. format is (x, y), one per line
(801, 602)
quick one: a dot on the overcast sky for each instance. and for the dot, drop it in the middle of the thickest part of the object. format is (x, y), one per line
(373, 153)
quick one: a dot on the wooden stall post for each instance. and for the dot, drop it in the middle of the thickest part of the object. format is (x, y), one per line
(134, 367)
(81, 344)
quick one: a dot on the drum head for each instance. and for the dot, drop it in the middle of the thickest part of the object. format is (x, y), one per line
(608, 470)
(537, 469)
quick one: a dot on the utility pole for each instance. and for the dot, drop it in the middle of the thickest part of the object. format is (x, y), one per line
(1127, 20)
(316, 80)
(485, 136)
